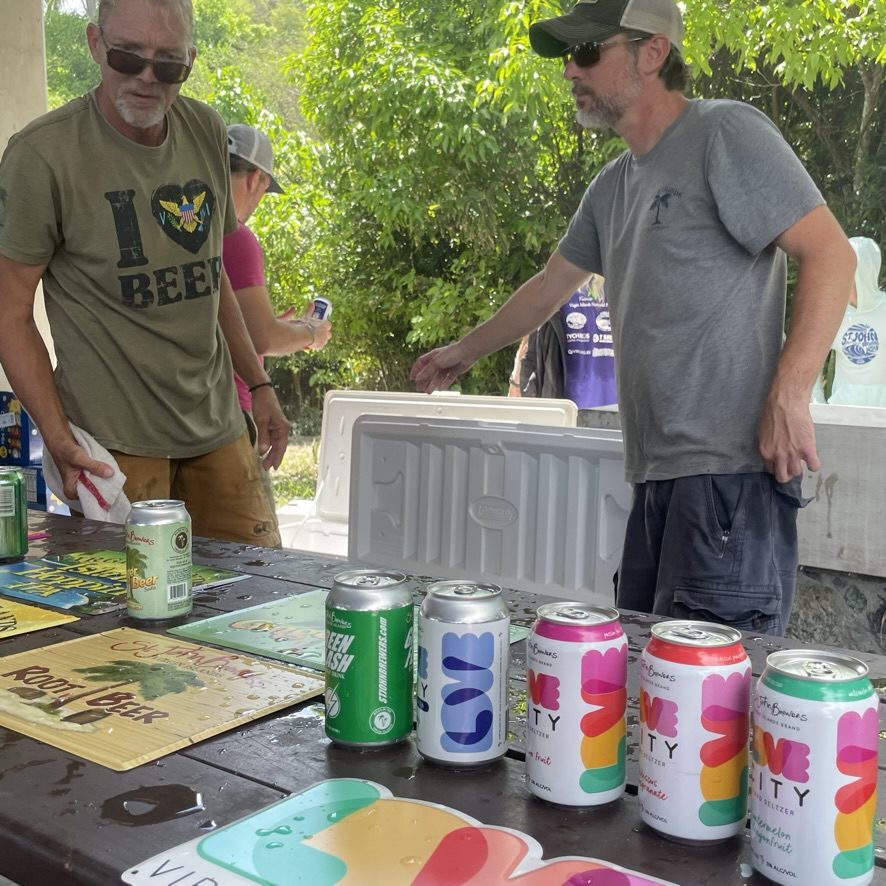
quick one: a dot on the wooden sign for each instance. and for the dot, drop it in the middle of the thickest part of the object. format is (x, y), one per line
(124, 697)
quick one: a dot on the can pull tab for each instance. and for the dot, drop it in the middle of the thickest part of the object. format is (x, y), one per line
(465, 591)
(818, 669)
(367, 581)
(690, 633)
(573, 612)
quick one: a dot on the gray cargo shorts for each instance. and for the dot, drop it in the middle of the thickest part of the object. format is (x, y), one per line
(713, 547)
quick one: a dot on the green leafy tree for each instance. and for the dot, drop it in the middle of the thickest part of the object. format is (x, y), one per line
(818, 70)
(432, 160)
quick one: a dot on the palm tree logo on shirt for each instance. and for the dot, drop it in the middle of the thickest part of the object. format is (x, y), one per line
(662, 199)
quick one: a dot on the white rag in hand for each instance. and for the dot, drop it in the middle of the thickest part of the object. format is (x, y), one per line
(99, 498)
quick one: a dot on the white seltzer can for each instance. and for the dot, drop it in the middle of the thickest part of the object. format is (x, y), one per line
(577, 663)
(695, 687)
(462, 680)
(158, 560)
(814, 774)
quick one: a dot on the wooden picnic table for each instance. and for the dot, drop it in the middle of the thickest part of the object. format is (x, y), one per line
(65, 820)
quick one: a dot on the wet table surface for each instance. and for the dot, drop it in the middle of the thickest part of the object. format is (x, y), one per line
(65, 820)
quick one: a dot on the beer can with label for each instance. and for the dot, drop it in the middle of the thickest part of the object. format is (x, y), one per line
(577, 666)
(462, 686)
(322, 309)
(695, 685)
(369, 669)
(814, 771)
(158, 560)
(13, 514)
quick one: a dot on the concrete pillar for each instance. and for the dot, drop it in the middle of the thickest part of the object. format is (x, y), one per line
(23, 69)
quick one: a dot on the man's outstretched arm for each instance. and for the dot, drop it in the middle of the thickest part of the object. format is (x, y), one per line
(533, 303)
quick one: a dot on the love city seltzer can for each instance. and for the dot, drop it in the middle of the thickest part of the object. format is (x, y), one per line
(462, 687)
(158, 560)
(13, 514)
(814, 772)
(369, 658)
(577, 667)
(695, 687)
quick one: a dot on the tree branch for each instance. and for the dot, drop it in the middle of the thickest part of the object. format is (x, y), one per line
(872, 76)
(799, 98)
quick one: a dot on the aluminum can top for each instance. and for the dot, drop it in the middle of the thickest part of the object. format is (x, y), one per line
(463, 602)
(579, 614)
(369, 590)
(698, 634)
(157, 511)
(812, 664)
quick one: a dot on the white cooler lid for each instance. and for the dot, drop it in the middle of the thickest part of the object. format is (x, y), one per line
(535, 508)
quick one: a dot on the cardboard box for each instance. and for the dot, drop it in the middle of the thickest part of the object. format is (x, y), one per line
(20, 441)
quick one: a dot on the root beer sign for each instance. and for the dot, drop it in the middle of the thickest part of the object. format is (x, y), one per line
(124, 697)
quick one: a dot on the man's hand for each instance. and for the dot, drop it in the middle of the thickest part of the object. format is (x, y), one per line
(71, 460)
(272, 426)
(787, 437)
(321, 330)
(438, 369)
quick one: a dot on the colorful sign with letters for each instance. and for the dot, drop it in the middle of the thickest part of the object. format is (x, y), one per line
(290, 630)
(87, 583)
(17, 618)
(350, 831)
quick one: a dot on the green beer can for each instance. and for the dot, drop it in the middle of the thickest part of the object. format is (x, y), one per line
(369, 664)
(158, 560)
(13, 515)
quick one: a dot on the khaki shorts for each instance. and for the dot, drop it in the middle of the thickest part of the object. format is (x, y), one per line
(223, 491)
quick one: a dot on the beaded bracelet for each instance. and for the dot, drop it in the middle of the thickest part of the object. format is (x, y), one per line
(261, 384)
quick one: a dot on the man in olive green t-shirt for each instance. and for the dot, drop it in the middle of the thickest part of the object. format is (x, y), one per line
(118, 202)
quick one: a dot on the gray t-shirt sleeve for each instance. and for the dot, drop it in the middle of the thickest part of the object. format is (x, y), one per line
(581, 244)
(760, 187)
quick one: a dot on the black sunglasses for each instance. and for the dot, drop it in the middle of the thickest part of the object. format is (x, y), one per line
(587, 54)
(129, 63)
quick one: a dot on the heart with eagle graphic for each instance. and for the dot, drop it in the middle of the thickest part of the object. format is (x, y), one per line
(184, 212)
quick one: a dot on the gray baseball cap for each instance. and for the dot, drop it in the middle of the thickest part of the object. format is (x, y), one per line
(595, 20)
(254, 147)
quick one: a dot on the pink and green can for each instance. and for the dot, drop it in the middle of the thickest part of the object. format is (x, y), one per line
(814, 774)
(577, 659)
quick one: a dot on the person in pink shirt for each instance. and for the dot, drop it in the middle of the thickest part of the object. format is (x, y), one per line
(252, 164)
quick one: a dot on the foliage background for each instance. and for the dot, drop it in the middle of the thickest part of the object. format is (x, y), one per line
(432, 161)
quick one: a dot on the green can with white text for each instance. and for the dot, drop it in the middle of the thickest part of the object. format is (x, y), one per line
(369, 663)
(13, 515)
(158, 560)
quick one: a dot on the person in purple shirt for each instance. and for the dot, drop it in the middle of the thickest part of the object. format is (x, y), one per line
(571, 354)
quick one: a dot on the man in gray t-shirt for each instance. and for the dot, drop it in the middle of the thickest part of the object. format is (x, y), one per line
(692, 227)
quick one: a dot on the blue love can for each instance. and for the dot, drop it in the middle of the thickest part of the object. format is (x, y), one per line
(462, 680)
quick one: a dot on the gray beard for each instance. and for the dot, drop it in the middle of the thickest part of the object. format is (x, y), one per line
(143, 120)
(604, 114)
